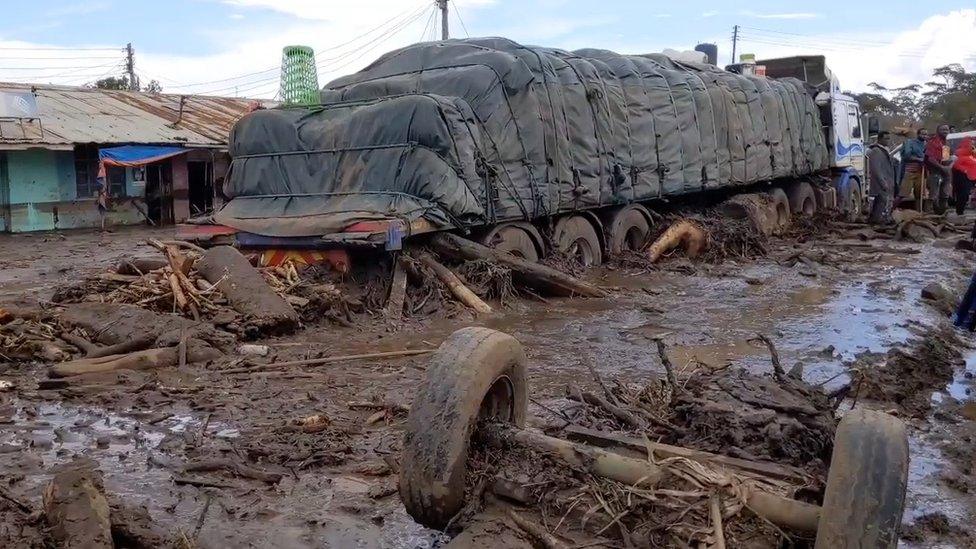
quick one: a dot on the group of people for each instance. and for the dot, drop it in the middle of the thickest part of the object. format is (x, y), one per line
(928, 172)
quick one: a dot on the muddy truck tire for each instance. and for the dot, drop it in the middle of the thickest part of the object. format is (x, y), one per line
(629, 229)
(575, 236)
(866, 484)
(802, 198)
(477, 373)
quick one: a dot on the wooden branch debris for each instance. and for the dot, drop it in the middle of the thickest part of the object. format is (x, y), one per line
(236, 468)
(536, 531)
(663, 451)
(687, 234)
(533, 274)
(139, 360)
(454, 284)
(662, 353)
(715, 512)
(778, 372)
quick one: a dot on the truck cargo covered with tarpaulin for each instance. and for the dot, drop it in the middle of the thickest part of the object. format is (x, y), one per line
(463, 133)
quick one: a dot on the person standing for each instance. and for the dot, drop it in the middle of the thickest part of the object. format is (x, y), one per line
(937, 162)
(964, 173)
(913, 168)
(101, 200)
(881, 177)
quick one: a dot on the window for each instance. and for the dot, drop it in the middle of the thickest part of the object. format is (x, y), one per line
(854, 121)
(86, 170)
(116, 181)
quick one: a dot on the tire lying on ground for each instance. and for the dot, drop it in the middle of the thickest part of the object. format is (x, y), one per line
(802, 198)
(477, 373)
(515, 239)
(866, 484)
(629, 229)
(575, 235)
(780, 207)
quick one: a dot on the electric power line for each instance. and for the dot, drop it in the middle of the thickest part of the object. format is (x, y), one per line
(423, 35)
(457, 12)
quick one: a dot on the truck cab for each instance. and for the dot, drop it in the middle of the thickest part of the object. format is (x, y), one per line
(840, 116)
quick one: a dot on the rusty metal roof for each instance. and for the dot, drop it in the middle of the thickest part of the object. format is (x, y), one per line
(71, 115)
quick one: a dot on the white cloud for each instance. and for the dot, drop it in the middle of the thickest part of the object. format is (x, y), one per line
(892, 59)
(237, 16)
(710, 13)
(794, 15)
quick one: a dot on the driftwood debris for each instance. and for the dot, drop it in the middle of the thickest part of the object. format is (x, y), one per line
(233, 467)
(687, 234)
(246, 290)
(532, 274)
(76, 509)
(139, 360)
(454, 284)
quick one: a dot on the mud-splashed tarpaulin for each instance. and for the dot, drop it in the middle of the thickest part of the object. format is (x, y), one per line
(476, 131)
(137, 155)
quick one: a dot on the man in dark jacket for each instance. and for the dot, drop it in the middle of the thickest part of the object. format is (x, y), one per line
(881, 178)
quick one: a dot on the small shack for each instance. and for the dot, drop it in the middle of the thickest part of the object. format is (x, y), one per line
(164, 155)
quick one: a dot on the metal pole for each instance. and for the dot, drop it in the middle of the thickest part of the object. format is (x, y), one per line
(735, 41)
(130, 67)
(442, 4)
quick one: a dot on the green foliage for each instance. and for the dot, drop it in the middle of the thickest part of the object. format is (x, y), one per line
(113, 83)
(153, 87)
(949, 98)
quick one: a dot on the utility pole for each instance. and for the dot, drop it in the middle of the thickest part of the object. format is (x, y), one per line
(735, 41)
(442, 4)
(130, 67)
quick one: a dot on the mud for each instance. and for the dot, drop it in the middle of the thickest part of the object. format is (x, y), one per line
(336, 482)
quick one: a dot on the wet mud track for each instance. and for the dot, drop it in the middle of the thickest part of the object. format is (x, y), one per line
(337, 485)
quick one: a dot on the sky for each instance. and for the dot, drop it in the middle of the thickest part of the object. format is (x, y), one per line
(233, 47)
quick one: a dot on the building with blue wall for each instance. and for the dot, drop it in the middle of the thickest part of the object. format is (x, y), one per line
(50, 137)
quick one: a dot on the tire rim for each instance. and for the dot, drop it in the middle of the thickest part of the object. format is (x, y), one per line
(499, 402)
(634, 239)
(580, 249)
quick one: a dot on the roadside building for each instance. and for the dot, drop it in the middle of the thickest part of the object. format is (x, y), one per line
(164, 155)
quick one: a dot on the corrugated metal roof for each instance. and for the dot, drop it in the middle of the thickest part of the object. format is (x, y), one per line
(69, 115)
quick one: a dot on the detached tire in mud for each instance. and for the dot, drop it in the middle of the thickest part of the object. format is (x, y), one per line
(575, 236)
(629, 229)
(477, 373)
(802, 198)
(866, 484)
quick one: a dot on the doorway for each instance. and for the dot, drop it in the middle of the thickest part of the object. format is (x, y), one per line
(201, 190)
(159, 193)
(4, 195)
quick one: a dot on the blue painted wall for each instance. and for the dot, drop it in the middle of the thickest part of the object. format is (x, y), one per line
(43, 194)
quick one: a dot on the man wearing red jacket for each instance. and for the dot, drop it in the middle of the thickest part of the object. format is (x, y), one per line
(937, 163)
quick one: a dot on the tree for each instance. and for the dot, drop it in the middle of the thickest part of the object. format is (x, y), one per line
(949, 98)
(113, 83)
(153, 87)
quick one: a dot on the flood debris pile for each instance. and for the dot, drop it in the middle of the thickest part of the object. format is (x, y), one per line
(26, 335)
(907, 375)
(769, 434)
(915, 226)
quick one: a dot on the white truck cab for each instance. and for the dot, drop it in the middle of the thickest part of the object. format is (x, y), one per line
(843, 125)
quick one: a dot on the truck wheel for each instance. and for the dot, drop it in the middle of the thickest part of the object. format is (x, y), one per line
(575, 236)
(629, 229)
(514, 240)
(781, 207)
(801, 197)
(477, 373)
(866, 484)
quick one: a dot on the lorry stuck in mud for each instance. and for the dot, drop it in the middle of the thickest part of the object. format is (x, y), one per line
(533, 149)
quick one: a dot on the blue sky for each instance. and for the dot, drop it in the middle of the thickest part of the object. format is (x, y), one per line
(233, 46)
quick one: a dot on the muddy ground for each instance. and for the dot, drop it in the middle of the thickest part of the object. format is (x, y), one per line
(327, 437)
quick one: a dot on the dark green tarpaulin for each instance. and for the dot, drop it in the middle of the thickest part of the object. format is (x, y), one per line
(471, 132)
